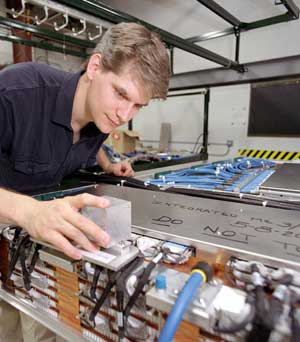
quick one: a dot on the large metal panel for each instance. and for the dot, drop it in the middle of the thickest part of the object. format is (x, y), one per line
(286, 178)
(266, 234)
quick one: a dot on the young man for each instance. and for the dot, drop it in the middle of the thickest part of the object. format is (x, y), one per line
(53, 122)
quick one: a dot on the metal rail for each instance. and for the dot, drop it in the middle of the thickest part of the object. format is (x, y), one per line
(59, 327)
(273, 69)
(221, 12)
(291, 14)
(41, 31)
(115, 16)
(42, 45)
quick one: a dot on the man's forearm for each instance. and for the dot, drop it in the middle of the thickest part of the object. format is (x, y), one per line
(103, 160)
(13, 207)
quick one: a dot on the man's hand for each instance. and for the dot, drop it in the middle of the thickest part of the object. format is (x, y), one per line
(59, 221)
(120, 169)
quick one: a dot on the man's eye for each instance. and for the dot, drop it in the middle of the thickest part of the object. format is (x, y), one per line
(119, 94)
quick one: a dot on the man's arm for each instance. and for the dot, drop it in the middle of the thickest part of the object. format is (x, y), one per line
(122, 168)
(57, 221)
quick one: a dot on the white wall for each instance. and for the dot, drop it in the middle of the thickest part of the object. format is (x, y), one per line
(229, 106)
(58, 60)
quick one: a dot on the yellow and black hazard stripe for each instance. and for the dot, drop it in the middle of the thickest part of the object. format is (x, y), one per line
(267, 154)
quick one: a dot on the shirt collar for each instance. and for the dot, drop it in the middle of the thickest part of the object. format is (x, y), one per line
(64, 102)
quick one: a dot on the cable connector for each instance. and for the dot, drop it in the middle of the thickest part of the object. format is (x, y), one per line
(204, 269)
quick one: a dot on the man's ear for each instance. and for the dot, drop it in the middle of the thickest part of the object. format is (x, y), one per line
(93, 66)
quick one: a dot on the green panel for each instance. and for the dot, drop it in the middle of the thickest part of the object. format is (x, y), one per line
(42, 45)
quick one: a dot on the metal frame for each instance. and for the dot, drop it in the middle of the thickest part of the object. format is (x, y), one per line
(55, 325)
(50, 34)
(262, 71)
(239, 26)
(42, 45)
(203, 155)
(115, 16)
(96, 12)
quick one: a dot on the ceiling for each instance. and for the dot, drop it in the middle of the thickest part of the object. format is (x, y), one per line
(189, 18)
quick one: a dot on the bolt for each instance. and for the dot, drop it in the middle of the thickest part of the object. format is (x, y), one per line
(200, 302)
(175, 292)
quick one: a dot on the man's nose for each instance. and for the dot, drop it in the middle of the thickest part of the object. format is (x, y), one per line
(126, 111)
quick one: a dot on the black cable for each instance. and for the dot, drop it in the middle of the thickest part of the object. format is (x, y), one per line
(14, 240)
(25, 272)
(261, 305)
(120, 288)
(259, 332)
(111, 282)
(141, 283)
(295, 324)
(15, 255)
(195, 148)
(98, 270)
(261, 327)
(35, 257)
(112, 278)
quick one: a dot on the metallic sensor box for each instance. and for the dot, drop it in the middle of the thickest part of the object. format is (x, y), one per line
(115, 220)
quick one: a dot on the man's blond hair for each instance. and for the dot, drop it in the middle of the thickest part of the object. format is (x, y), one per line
(133, 45)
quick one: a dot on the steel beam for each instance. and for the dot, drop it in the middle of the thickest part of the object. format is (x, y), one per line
(42, 45)
(274, 69)
(281, 18)
(293, 10)
(211, 35)
(115, 16)
(46, 33)
(221, 12)
(204, 149)
(243, 27)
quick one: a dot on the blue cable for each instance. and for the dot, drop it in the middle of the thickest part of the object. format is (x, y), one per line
(225, 175)
(186, 295)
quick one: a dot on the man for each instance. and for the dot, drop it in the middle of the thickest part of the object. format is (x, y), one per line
(52, 123)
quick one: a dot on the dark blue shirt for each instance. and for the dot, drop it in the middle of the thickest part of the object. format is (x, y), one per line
(36, 138)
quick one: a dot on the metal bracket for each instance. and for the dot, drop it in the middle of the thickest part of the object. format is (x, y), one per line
(83, 22)
(292, 8)
(237, 34)
(16, 14)
(58, 28)
(40, 21)
(97, 35)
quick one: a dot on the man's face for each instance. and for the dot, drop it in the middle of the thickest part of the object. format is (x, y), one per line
(112, 100)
